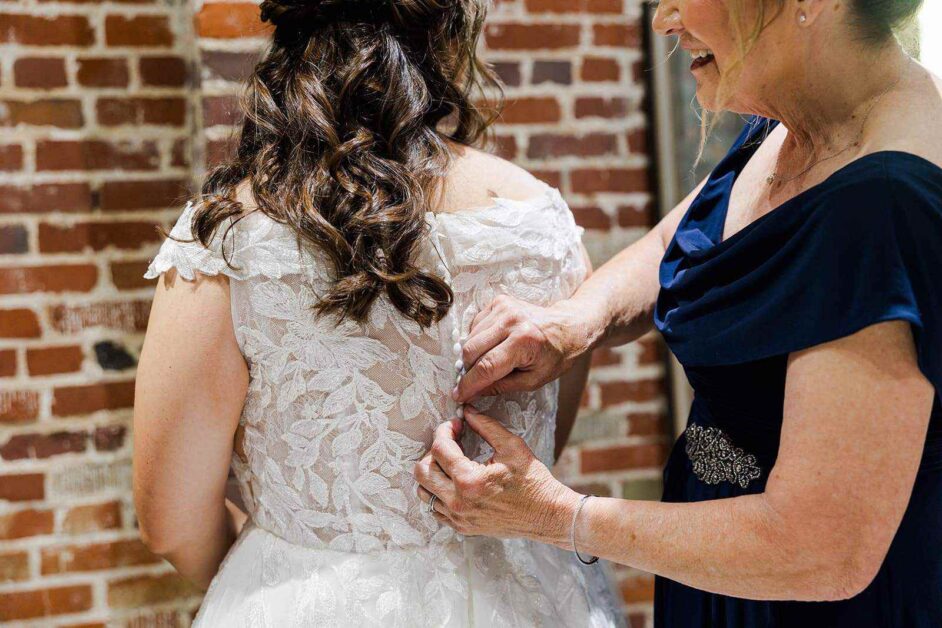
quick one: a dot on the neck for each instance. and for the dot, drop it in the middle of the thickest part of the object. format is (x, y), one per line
(827, 110)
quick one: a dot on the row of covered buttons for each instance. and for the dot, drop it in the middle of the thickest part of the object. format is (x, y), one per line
(459, 364)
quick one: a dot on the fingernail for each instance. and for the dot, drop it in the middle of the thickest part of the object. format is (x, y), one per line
(454, 393)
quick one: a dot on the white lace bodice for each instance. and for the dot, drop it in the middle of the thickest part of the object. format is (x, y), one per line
(336, 415)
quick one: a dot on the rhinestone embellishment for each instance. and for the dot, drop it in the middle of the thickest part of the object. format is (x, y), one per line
(715, 459)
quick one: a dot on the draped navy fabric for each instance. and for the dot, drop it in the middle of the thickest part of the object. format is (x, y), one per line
(860, 248)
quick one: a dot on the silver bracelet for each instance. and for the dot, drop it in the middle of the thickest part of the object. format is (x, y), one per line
(572, 532)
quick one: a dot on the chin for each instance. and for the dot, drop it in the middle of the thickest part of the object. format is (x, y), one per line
(706, 96)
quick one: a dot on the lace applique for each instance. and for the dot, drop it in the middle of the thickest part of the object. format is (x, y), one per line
(715, 459)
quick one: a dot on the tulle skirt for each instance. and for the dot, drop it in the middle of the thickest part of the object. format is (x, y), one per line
(267, 582)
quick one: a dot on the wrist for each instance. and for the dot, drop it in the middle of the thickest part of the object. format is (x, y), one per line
(578, 328)
(555, 527)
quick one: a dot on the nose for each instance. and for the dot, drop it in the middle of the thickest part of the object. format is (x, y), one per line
(667, 19)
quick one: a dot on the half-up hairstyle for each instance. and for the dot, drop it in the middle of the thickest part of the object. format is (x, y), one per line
(347, 122)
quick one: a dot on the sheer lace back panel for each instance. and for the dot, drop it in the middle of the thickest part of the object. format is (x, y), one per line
(337, 414)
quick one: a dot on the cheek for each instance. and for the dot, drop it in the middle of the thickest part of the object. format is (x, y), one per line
(708, 22)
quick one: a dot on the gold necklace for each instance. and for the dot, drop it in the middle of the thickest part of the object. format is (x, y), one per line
(772, 178)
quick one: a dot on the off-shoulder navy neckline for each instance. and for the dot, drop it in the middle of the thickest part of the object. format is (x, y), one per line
(747, 147)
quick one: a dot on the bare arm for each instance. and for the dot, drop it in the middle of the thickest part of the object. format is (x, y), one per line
(571, 387)
(515, 346)
(855, 419)
(191, 385)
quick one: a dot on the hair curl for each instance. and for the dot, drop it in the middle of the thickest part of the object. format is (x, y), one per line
(347, 121)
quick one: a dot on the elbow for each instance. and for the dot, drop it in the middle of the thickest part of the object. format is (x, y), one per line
(849, 576)
(157, 539)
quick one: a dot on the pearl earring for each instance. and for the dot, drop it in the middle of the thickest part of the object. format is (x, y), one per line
(802, 18)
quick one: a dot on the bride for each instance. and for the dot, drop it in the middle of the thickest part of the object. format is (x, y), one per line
(306, 332)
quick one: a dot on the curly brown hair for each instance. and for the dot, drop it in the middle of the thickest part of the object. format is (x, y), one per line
(348, 119)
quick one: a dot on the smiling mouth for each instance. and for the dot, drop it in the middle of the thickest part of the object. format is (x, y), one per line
(701, 58)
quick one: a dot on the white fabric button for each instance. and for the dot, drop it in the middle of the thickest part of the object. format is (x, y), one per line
(460, 411)
(457, 347)
(455, 334)
(459, 365)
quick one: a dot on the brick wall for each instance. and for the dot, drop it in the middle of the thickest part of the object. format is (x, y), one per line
(98, 105)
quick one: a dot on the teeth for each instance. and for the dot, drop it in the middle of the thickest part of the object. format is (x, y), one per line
(700, 54)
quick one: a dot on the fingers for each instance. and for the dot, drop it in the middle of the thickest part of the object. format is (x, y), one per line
(439, 506)
(432, 478)
(491, 368)
(518, 381)
(484, 336)
(445, 448)
(491, 430)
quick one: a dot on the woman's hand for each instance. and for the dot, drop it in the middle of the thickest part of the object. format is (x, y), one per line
(515, 346)
(514, 495)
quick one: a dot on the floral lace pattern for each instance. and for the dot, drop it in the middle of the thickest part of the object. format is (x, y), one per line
(337, 414)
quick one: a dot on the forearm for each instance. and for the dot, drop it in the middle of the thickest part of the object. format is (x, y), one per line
(617, 301)
(571, 388)
(739, 547)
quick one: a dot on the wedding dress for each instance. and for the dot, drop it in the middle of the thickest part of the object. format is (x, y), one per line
(337, 414)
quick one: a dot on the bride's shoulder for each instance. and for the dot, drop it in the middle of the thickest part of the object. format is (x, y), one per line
(476, 177)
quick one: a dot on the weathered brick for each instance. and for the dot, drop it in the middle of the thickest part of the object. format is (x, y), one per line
(552, 72)
(47, 197)
(20, 605)
(228, 66)
(109, 437)
(163, 71)
(141, 30)
(54, 360)
(103, 72)
(598, 69)
(20, 487)
(11, 157)
(130, 275)
(147, 194)
(531, 110)
(620, 35)
(7, 362)
(598, 107)
(591, 181)
(14, 566)
(548, 145)
(622, 457)
(64, 113)
(13, 239)
(614, 393)
(72, 400)
(613, 7)
(96, 155)
(92, 518)
(139, 591)
(37, 30)
(166, 111)
(111, 555)
(25, 523)
(527, 36)
(18, 406)
(19, 323)
(96, 236)
(128, 316)
(221, 110)
(40, 72)
(50, 278)
(39, 446)
(232, 20)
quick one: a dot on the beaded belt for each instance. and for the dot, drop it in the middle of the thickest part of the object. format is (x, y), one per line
(715, 459)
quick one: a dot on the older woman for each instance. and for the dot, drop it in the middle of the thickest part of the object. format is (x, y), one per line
(799, 285)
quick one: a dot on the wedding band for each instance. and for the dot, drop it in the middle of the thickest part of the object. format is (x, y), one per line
(431, 503)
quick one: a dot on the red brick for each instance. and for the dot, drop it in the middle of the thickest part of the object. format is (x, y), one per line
(141, 30)
(550, 177)
(609, 180)
(595, 107)
(51, 278)
(19, 323)
(592, 217)
(16, 605)
(614, 393)
(64, 197)
(509, 73)
(53, 360)
(221, 110)
(21, 487)
(520, 36)
(650, 350)
(18, 406)
(598, 69)
(138, 111)
(58, 112)
(218, 151)
(605, 357)
(92, 518)
(96, 236)
(109, 437)
(638, 141)
(111, 555)
(14, 566)
(40, 72)
(614, 7)
(7, 362)
(559, 72)
(41, 446)
(163, 71)
(13, 239)
(11, 157)
(130, 275)
(231, 20)
(228, 66)
(72, 400)
(531, 110)
(120, 315)
(96, 155)
(622, 457)
(634, 216)
(621, 35)
(180, 153)
(548, 145)
(103, 72)
(34, 30)
(646, 424)
(149, 194)
(140, 591)
(24, 523)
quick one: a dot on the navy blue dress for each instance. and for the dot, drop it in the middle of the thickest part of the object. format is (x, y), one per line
(864, 246)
